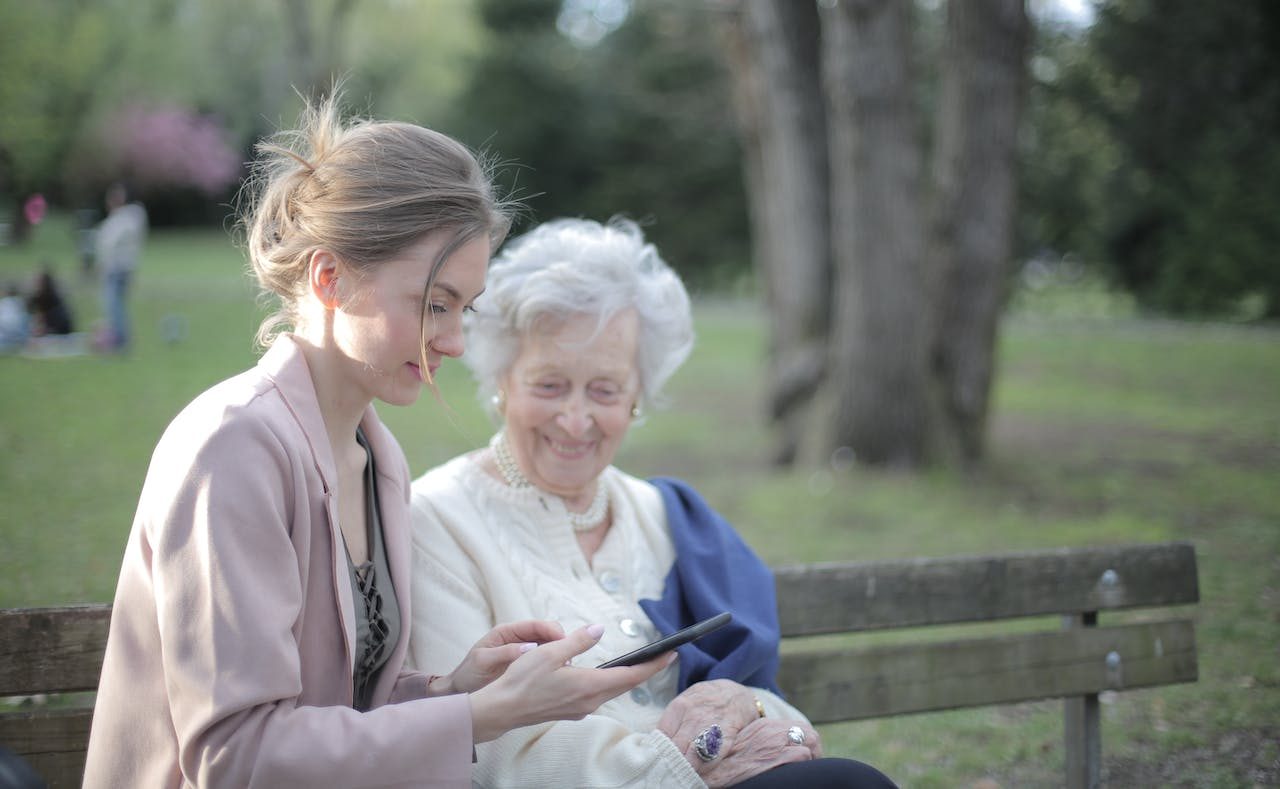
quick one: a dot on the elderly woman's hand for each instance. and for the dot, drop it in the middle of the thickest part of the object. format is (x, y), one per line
(720, 701)
(761, 745)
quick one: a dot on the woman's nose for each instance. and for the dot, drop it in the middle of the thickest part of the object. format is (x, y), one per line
(575, 416)
(449, 339)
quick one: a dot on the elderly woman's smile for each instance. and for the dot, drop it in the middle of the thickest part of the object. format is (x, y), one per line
(569, 399)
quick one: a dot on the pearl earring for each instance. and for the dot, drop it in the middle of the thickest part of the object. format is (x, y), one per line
(635, 412)
(499, 400)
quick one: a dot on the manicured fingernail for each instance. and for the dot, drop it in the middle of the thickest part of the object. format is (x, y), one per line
(526, 647)
(595, 631)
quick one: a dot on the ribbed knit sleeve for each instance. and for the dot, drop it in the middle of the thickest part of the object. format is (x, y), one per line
(596, 751)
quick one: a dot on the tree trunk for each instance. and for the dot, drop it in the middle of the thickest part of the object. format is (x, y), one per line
(774, 53)
(882, 326)
(974, 208)
(909, 299)
(315, 41)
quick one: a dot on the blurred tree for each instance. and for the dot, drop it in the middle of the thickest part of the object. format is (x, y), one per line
(53, 58)
(778, 94)
(1067, 154)
(973, 215)
(1188, 96)
(314, 36)
(596, 121)
(914, 313)
(879, 352)
(181, 161)
(68, 69)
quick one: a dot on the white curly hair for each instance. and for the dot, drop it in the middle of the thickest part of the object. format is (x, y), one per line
(571, 267)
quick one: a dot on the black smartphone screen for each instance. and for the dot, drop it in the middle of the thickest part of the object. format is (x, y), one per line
(667, 643)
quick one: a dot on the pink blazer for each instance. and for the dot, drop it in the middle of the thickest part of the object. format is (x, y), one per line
(230, 655)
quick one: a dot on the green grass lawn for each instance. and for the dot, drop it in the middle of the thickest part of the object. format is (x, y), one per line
(1105, 430)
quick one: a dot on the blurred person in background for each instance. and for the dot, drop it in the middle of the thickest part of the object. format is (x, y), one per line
(49, 311)
(15, 322)
(580, 327)
(264, 608)
(117, 248)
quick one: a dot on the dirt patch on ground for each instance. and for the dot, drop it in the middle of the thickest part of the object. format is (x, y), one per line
(1075, 468)
(1248, 757)
(1123, 442)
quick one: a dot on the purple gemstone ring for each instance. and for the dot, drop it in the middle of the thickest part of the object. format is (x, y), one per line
(707, 743)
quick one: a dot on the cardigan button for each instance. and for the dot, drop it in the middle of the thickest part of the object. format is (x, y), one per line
(610, 581)
(641, 696)
(629, 627)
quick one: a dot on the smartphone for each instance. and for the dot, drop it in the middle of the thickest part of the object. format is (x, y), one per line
(667, 643)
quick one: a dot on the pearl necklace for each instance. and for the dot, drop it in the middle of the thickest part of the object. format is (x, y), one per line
(511, 473)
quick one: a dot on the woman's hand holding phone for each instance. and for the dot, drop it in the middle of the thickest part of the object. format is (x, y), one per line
(668, 643)
(538, 686)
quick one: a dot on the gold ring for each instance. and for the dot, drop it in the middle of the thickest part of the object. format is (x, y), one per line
(759, 708)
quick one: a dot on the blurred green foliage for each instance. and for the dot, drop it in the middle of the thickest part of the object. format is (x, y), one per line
(67, 67)
(640, 124)
(1148, 150)
(1152, 151)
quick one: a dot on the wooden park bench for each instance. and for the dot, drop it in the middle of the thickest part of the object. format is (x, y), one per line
(59, 650)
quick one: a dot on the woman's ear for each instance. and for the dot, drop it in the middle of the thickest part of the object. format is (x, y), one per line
(322, 276)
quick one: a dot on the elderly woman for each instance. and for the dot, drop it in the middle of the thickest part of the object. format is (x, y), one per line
(580, 326)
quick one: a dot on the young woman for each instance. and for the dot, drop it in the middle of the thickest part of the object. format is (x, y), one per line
(263, 609)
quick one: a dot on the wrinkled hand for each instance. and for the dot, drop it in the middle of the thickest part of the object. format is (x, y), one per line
(539, 686)
(751, 744)
(761, 745)
(491, 655)
(721, 701)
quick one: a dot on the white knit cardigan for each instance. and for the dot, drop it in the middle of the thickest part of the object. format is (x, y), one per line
(486, 553)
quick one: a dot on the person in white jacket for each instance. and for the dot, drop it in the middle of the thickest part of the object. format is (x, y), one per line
(580, 326)
(117, 248)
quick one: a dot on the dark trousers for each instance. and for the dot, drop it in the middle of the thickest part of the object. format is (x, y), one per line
(115, 294)
(823, 773)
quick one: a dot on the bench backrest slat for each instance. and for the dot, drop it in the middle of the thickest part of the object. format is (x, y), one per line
(858, 596)
(52, 742)
(46, 650)
(52, 650)
(876, 682)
